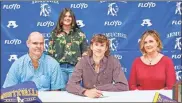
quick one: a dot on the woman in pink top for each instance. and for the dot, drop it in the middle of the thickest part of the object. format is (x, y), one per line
(153, 70)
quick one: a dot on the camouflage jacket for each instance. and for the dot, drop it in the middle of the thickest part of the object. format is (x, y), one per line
(67, 48)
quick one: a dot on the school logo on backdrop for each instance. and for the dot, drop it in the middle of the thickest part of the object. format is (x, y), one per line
(13, 57)
(178, 69)
(114, 44)
(146, 22)
(45, 10)
(179, 75)
(12, 24)
(102, 1)
(178, 8)
(45, 1)
(80, 23)
(112, 9)
(178, 44)
(139, 40)
(114, 38)
(46, 40)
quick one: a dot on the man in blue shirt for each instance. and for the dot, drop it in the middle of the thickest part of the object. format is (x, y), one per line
(36, 66)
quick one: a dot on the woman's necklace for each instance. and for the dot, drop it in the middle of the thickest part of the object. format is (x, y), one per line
(151, 60)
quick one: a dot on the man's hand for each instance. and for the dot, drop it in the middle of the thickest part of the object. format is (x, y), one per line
(93, 93)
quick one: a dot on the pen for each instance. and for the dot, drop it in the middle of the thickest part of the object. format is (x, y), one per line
(96, 88)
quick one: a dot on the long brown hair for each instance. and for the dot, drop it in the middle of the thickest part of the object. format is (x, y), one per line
(101, 39)
(59, 25)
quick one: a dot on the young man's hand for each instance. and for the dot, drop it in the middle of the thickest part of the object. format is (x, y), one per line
(93, 93)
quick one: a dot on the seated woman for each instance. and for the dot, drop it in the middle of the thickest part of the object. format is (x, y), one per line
(98, 71)
(153, 70)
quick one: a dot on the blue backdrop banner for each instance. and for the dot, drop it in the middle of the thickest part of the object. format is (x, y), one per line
(123, 22)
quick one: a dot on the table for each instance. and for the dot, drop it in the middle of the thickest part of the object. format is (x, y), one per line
(125, 96)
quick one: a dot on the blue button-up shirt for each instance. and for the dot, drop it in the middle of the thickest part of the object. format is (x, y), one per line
(48, 75)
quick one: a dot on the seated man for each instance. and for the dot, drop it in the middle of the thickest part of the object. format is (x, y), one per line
(98, 71)
(35, 66)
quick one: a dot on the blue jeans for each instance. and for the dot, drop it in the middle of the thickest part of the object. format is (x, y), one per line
(67, 70)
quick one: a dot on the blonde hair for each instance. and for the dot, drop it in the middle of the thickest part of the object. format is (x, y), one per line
(101, 39)
(155, 35)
